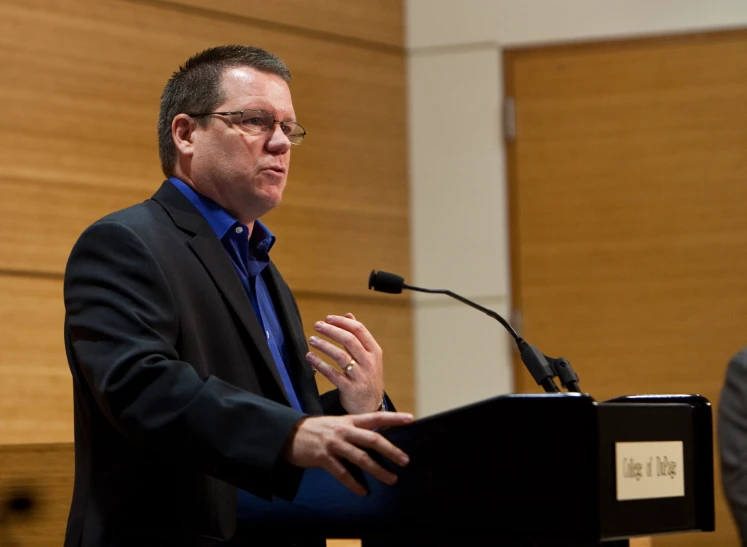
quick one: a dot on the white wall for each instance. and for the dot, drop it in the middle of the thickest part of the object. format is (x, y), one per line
(457, 164)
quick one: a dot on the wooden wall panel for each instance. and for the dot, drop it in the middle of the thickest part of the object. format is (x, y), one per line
(318, 249)
(40, 221)
(45, 472)
(36, 402)
(81, 81)
(628, 224)
(379, 21)
(333, 252)
(86, 116)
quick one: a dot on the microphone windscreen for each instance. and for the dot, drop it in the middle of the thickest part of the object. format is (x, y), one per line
(385, 282)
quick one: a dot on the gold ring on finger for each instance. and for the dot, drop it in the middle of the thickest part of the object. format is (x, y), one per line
(349, 366)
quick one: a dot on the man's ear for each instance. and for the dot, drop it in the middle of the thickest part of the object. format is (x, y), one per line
(182, 128)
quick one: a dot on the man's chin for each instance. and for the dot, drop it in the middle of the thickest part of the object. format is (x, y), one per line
(266, 202)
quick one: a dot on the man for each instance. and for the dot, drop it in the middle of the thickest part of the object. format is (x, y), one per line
(190, 369)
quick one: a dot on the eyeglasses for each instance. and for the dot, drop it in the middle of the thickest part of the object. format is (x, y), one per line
(259, 121)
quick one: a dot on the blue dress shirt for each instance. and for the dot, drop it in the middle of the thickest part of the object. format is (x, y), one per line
(249, 257)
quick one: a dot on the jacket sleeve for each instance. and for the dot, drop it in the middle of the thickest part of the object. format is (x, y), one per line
(732, 439)
(121, 328)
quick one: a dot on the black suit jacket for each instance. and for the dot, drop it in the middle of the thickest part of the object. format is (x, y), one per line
(176, 394)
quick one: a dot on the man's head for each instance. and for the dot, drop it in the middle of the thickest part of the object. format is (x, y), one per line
(225, 156)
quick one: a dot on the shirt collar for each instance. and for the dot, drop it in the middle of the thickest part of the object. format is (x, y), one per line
(221, 221)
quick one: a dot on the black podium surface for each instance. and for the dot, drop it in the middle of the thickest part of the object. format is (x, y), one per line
(558, 469)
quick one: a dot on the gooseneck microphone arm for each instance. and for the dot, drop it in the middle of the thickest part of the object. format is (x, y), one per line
(463, 300)
(542, 368)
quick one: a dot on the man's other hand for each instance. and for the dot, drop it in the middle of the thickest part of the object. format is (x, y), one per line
(360, 377)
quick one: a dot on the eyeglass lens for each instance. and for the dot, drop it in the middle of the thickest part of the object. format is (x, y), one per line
(258, 121)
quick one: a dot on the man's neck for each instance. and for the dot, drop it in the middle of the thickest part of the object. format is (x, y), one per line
(249, 223)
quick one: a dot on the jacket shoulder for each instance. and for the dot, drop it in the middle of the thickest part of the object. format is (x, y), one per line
(136, 217)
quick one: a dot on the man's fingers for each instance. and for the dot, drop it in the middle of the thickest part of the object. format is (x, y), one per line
(373, 420)
(339, 334)
(360, 458)
(340, 472)
(328, 371)
(375, 441)
(348, 331)
(340, 356)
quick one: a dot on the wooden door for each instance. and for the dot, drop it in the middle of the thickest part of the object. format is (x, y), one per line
(628, 184)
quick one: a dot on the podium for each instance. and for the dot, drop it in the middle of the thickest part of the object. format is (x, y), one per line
(519, 470)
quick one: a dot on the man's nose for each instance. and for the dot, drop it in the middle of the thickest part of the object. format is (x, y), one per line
(278, 140)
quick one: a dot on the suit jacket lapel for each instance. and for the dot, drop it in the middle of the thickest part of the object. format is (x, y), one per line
(214, 258)
(295, 339)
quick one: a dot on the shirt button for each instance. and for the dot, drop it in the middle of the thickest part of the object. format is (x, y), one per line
(239, 229)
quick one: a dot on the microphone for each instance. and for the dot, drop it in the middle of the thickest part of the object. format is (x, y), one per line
(386, 282)
(542, 368)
